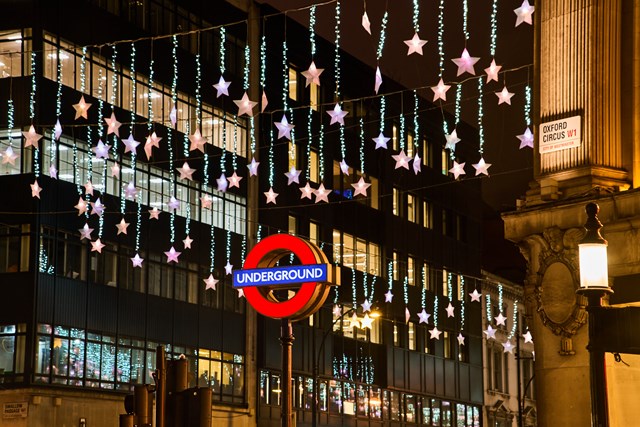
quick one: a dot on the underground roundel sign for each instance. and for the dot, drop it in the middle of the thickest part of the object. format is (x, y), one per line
(310, 281)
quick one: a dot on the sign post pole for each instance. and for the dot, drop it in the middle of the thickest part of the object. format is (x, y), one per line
(286, 339)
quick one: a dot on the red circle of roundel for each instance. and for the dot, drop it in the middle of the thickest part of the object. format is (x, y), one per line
(276, 243)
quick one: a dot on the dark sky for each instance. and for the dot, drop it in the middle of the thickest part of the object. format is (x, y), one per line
(511, 167)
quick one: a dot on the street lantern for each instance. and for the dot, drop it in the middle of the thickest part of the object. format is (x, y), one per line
(594, 285)
(594, 273)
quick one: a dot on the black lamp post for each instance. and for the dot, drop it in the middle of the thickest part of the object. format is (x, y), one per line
(594, 285)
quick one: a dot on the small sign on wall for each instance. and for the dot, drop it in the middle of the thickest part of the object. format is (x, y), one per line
(15, 410)
(560, 134)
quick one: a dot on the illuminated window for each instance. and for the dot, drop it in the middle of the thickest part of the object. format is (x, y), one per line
(396, 272)
(427, 214)
(411, 271)
(427, 281)
(293, 225)
(293, 155)
(426, 153)
(293, 84)
(412, 335)
(314, 166)
(314, 232)
(445, 283)
(396, 201)
(410, 144)
(314, 96)
(395, 137)
(412, 208)
(445, 162)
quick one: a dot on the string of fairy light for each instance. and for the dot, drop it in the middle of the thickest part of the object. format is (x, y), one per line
(312, 44)
(527, 105)
(445, 126)
(361, 135)
(32, 114)
(416, 123)
(390, 276)
(462, 302)
(416, 16)
(343, 145)
(379, 50)
(52, 147)
(132, 106)
(488, 307)
(354, 288)
(514, 322)
(103, 183)
(172, 176)
(494, 28)
(83, 82)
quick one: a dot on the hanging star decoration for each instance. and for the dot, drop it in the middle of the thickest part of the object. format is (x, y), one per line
(172, 255)
(337, 311)
(423, 316)
(253, 167)
(527, 337)
(475, 295)
(381, 141)
(264, 101)
(222, 87)
(361, 187)
(240, 292)
(115, 170)
(153, 140)
(97, 246)
(492, 71)
(206, 201)
(137, 261)
(312, 75)
(490, 332)
(245, 105)
(31, 137)
(130, 191)
(81, 108)
(97, 208)
(526, 139)
(524, 13)
(460, 339)
(465, 63)
(322, 194)
(113, 125)
(293, 176)
(306, 191)
(402, 160)
(9, 156)
(222, 183)
(174, 204)
(504, 96)
(228, 268)
(186, 172)
(211, 282)
(130, 144)
(88, 187)
(366, 24)
(366, 321)
(500, 319)
(85, 232)
(81, 206)
(355, 322)
(284, 128)
(407, 315)
(415, 45)
(450, 310)
(122, 227)
(187, 241)
(482, 167)
(53, 172)
(366, 306)
(440, 91)
(57, 130)
(435, 333)
(337, 115)
(101, 150)
(234, 180)
(417, 165)
(452, 140)
(378, 81)
(457, 169)
(508, 347)
(197, 141)
(271, 196)
(388, 297)
(344, 167)
(154, 213)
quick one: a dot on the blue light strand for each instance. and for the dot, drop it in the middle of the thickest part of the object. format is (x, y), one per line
(365, 285)
(112, 99)
(405, 290)
(441, 40)
(361, 124)
(383, 111)
(336, 62)
(309, 141)
(462, 299)
(243, 253)
(500, 297)
(223, 156)
(285, 74)
(132, 108)
(449, 286)
(514, 322)
(223, 38)
(150, 93)
(212, 248)
(271, 160)
(527, 105)
(423, 293)
(312, 30)
(416, 124)
(354, 291)
(228, 243)
(10, 119)
(32, 94)
(480, 116)
(383, 35)
(234, 158)
(373, 288)
(343, 144)
(465, 13)
(488, 308)
(402, 132)
(321, 151)
(435, 311)
(100, 134)
(390, 275)
(172, 175)
(494, 27)
(263, 61)
(247, 63)
(59, 81)
(416, 15)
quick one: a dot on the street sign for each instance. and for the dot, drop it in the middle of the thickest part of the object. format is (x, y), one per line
(560, 134)
(311, 281)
